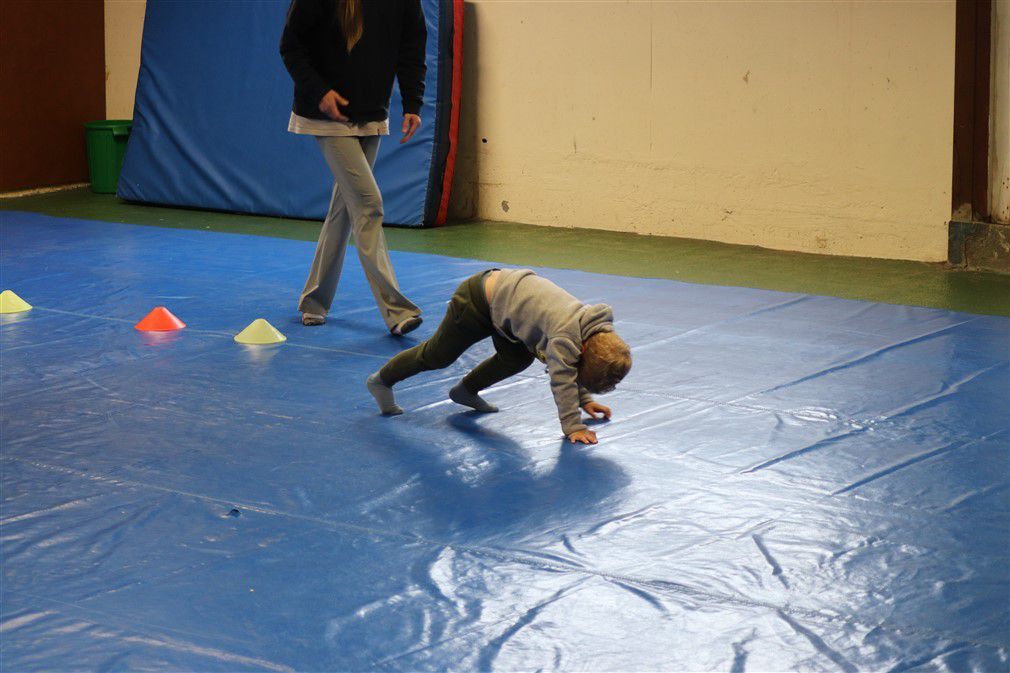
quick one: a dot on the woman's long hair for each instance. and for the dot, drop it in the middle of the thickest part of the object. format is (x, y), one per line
(352, 21)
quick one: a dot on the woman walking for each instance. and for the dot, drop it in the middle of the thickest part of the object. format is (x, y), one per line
(343, 56)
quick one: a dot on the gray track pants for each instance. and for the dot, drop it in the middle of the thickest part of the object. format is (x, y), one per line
(356, 205)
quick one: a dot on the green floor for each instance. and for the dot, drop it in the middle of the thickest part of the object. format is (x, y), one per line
(687, 260)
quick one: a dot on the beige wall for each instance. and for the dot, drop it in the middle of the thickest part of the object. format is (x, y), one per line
(124, 26)
(814, 126)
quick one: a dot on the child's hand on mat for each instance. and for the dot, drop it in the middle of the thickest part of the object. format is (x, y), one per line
(584, 436)
(410, 125)
(328, 105)
(594, 408)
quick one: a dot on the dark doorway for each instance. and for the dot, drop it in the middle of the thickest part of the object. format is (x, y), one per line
(51, 82)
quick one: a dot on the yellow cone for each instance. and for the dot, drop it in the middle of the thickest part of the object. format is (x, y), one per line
(11, 303)
(260, 332)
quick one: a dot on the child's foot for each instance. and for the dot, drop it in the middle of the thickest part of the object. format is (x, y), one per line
(383, 394)
(405, 326)
(460, 395)
(310, 319)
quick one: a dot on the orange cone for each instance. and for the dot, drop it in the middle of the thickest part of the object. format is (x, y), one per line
(159, 320)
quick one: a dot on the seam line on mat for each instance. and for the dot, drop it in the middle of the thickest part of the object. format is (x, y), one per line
(214, 333)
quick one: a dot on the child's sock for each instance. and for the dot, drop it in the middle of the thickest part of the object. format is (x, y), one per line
(383, 394)
(460, 395)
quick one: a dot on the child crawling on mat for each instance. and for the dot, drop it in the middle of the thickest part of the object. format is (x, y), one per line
(526, 316)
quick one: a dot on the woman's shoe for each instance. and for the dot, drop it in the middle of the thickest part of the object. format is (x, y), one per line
(406, 326)
(311, 319)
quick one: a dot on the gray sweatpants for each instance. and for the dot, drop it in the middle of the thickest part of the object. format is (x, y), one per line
(356, 205)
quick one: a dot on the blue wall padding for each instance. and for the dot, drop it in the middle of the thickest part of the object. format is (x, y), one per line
(789, 482)
(211, 115)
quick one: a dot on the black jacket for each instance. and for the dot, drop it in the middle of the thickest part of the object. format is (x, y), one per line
(392, 45)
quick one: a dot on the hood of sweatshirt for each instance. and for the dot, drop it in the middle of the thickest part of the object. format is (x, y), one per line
(595, 318)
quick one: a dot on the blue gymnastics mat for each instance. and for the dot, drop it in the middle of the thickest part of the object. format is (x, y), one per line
(790, 482)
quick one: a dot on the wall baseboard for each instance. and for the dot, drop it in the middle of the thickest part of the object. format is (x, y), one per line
(42, 190)
(979, 245)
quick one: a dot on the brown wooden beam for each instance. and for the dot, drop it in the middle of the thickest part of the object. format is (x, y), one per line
(972, 43)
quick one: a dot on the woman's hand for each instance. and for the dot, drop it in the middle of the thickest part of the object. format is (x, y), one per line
(584, 436)
(593, 408)
(328, 106)
(410, 125)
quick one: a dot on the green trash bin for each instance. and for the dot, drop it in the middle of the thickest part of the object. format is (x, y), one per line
(106, 142)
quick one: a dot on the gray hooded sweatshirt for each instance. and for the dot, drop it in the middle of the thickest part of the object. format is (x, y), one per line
(552, 324)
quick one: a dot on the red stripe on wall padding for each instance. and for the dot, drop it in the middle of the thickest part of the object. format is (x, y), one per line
(457, 89)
